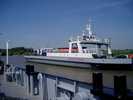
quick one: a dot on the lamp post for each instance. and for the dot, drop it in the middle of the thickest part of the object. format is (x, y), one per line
(0, 48)
(7, 45)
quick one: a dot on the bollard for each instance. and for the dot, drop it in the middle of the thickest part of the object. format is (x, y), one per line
(29, 69)
(120, 87)
(97, 83)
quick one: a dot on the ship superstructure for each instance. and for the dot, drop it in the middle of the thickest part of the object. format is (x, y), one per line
(85, 46)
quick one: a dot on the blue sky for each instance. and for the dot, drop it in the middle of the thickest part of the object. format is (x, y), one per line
(50, 23)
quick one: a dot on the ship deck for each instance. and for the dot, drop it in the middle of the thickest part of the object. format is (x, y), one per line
(84, 62)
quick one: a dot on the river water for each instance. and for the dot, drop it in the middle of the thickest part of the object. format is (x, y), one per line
(15, 60)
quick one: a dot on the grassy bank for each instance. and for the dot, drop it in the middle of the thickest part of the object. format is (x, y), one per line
(122, 52)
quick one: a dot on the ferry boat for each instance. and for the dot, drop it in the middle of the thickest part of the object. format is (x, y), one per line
(85, 51)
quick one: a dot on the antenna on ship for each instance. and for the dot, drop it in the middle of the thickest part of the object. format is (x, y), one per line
(83, 33)
(88, 28)
(71, 39)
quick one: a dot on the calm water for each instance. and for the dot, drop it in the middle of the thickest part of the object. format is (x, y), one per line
(15, 60)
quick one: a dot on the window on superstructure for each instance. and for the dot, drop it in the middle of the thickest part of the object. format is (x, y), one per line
(74, 48)
(89, 48)
(104, 49)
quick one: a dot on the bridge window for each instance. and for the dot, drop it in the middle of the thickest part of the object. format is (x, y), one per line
(89, 48)
(74, 48)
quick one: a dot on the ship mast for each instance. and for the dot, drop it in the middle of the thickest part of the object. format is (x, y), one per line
(88, 29)
(89, 32)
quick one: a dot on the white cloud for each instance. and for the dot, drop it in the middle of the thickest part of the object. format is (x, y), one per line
(116, 3)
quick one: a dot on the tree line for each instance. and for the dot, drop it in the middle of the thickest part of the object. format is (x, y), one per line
(17, 51)
(29, 51)
(118, 52)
